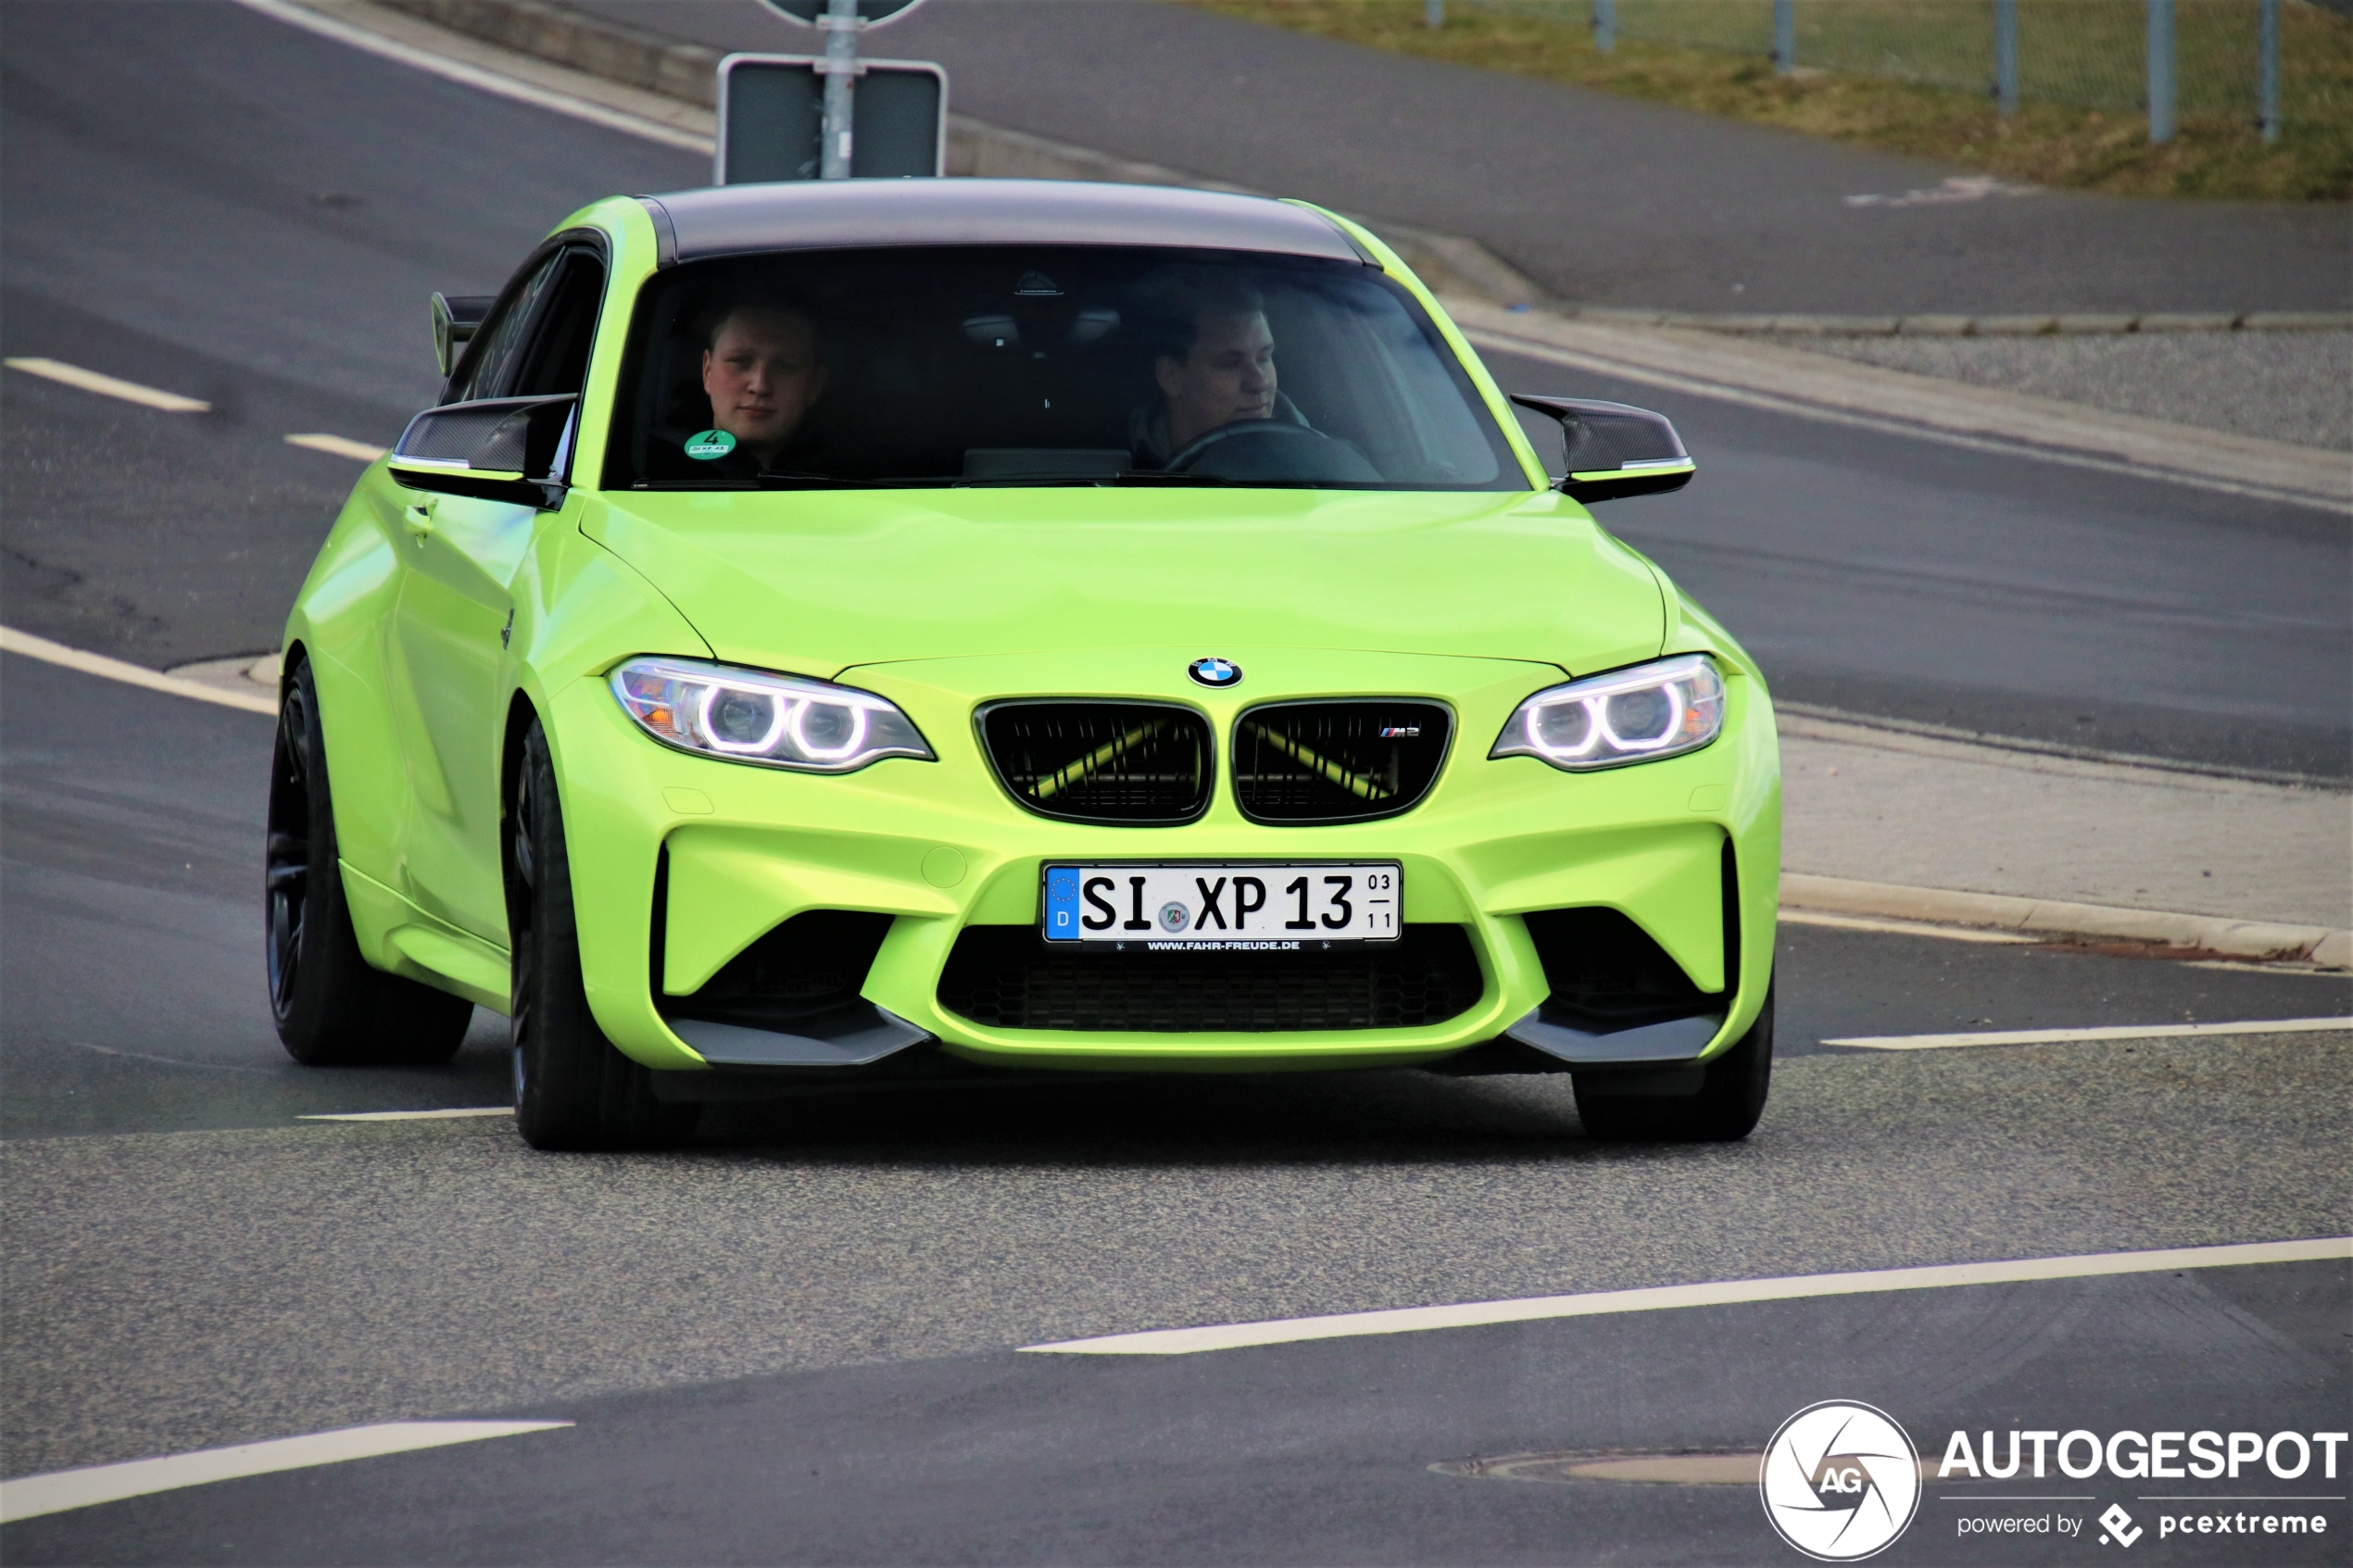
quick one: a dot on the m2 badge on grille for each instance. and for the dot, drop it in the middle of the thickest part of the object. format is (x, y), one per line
(1277, 908)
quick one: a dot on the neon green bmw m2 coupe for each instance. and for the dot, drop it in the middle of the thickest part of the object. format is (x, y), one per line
(951, 628)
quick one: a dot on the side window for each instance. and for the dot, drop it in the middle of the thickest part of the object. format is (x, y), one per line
(489, 367)
(555, 358)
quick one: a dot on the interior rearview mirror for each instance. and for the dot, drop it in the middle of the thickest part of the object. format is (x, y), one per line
(454, 318)
(500, 449)
(1615, 450)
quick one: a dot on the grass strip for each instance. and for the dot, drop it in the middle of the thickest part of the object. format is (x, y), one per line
(2217, 153)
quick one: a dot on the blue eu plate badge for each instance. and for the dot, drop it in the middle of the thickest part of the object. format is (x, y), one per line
(1062, 904)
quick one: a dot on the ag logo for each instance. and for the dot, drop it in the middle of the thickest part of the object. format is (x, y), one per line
(1840, 1481)
(1215, 672)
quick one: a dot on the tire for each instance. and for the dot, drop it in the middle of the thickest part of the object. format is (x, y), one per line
(1730, 1099)
(332, 1009)
(572, 1088)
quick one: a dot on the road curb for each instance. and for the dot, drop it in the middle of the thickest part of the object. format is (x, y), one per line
(1448, 263)
(2154, 324)
(2217, 934)
(1799, 379)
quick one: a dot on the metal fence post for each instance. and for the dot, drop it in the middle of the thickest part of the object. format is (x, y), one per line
(1434, 13)
(2160, 70)
(2005, 55)
(1785, 36)
(1606, 25)
(2268, 112)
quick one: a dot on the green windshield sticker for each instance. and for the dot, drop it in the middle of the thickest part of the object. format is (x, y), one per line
(708, 444)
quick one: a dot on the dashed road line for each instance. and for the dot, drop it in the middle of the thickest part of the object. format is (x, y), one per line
(410, 1115)
(109, 386)
(28, 1497)
(30, 647)
(2109, 1032)
(338, 446)
(1411, 1320)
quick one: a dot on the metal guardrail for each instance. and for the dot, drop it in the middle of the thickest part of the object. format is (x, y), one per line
(2167, 58)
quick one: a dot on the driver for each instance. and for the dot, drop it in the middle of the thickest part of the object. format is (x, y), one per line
(1216, 368)
(763, 370)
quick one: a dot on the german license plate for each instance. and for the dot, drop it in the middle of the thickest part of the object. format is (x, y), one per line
(1242, 906)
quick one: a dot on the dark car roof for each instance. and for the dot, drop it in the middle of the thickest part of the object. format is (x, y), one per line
(738, 219)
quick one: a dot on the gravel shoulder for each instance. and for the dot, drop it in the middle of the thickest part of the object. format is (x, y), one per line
(2296, 387)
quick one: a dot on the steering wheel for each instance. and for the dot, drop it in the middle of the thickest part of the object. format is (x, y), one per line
(1273, 449)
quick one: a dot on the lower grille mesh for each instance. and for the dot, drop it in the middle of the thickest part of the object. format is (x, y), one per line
(1003, 975)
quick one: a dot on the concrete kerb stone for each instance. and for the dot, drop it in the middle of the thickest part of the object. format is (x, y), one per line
(613, 50)
(2255, 940)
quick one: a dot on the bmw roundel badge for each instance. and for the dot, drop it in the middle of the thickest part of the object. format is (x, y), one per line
(1220, 672)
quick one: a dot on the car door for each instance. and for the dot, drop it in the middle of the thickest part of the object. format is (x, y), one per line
(454, 617)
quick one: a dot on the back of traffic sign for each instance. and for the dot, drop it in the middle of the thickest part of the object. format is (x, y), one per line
(772, 111)
(873, 13)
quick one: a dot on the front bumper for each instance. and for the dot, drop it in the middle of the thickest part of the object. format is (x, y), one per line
(940, 846)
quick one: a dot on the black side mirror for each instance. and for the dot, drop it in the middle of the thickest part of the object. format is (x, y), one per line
(456, 317)
(1615, 450)
(500, 449)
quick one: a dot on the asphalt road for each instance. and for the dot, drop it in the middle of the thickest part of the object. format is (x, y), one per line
(315, 195)
(1598, 198)
(832, 1283)
(789, 1341)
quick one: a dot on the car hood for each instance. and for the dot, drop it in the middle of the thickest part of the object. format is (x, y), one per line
(814, 582)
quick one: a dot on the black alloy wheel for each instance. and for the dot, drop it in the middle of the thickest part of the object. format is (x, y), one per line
(1730, 1098)
(572, 1088)
(332, 1008)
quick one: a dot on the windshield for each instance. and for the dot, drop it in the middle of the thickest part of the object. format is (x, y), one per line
(1058, 365)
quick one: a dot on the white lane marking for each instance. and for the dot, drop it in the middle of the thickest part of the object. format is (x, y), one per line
(2109, 1032)
(1411, 1320)
(1900, 927)
(30, 647)
(109, 386)
(474, 76)
(168, 1060)
(410, 1115)
(338, 446)
(1626, 369)
(29, 1495)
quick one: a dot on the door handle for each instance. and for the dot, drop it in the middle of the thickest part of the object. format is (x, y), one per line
(418, 518)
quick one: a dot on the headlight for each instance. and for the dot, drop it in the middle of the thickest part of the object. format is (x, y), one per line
(750, 716)
(1638, 715)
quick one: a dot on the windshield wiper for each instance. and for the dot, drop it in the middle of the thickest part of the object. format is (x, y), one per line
(1159, 476)
(771, 479)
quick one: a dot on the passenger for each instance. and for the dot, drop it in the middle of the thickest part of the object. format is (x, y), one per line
(1215, 367)
(763, 370)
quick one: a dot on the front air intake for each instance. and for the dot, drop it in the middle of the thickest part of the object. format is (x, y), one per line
(1301, 763)
(1606, 974)
(1137, 764)
(814, 961)
(1002, 976)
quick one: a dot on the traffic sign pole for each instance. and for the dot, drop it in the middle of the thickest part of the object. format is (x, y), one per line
(840, 67)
